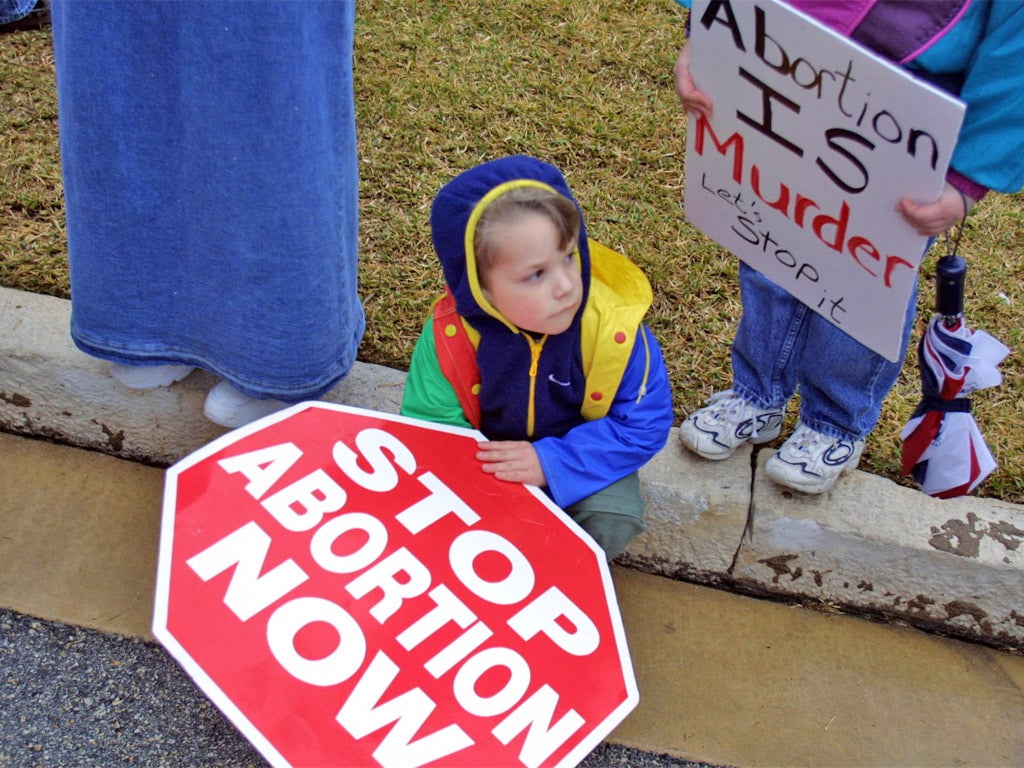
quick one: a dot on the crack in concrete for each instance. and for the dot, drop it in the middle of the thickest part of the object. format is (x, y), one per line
(748, 526)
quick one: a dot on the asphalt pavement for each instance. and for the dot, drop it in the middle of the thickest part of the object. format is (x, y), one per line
(75, 698)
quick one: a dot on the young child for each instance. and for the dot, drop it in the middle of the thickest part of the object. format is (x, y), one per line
(539, 342)
(969, 47)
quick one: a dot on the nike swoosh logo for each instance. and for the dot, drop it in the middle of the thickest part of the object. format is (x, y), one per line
(552, 379)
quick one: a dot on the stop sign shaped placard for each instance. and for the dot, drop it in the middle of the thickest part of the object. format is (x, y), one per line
(351, 589)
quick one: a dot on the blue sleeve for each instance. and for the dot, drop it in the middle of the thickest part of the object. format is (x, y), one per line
(595, 454)
(990, 148)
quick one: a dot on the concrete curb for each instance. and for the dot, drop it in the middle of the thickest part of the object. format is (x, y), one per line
(869, 545)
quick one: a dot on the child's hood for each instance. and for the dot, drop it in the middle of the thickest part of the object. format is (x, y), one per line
(457, 208)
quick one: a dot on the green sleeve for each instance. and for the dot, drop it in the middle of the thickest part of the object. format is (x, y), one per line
(428, 394)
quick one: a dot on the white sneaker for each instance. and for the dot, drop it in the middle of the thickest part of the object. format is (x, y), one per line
(228, 407)
(719, 428)
(811, 462)
(149, 376)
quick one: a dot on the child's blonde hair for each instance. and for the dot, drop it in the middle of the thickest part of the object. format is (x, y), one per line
(519, 202)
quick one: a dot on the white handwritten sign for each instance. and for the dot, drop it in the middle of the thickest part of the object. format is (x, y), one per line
(812, 142)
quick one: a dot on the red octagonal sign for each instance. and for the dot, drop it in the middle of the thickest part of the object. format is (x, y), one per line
(351, 589)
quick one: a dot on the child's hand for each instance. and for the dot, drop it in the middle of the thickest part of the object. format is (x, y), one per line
(691, 99)
(511, 460)
(935, 218)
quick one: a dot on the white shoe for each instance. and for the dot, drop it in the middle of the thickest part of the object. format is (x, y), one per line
(149, 376)
(811, 462)
(228, 407)
(719, 428)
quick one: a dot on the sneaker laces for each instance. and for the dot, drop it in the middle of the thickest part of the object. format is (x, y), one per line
(729, 404)
(729, 401)
(807, 441)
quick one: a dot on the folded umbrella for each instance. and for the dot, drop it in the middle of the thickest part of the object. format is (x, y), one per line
(942, 445)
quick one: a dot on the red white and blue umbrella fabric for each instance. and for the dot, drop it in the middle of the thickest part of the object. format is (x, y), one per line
(942, 445)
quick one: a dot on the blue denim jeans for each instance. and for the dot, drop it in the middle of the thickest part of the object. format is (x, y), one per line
(15, 10)
(783, 346)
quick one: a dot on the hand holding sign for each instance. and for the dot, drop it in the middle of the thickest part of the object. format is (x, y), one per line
(692, 98)
(932, 219)
(812, 143)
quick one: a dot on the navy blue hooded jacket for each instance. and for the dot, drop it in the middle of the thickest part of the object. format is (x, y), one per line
(580, 453)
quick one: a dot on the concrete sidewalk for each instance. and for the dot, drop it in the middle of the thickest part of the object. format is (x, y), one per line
(868, 546)
(724, 678)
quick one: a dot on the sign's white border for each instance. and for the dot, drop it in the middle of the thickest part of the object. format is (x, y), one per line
(221, 699)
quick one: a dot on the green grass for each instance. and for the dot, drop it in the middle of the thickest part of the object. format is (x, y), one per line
(442, 86)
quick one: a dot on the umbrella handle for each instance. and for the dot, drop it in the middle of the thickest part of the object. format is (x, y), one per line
(950, 271)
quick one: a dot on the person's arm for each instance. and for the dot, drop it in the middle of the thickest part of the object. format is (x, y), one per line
(989, 153)
(595, 454)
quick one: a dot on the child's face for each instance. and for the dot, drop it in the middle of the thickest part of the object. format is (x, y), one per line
(533, 282)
